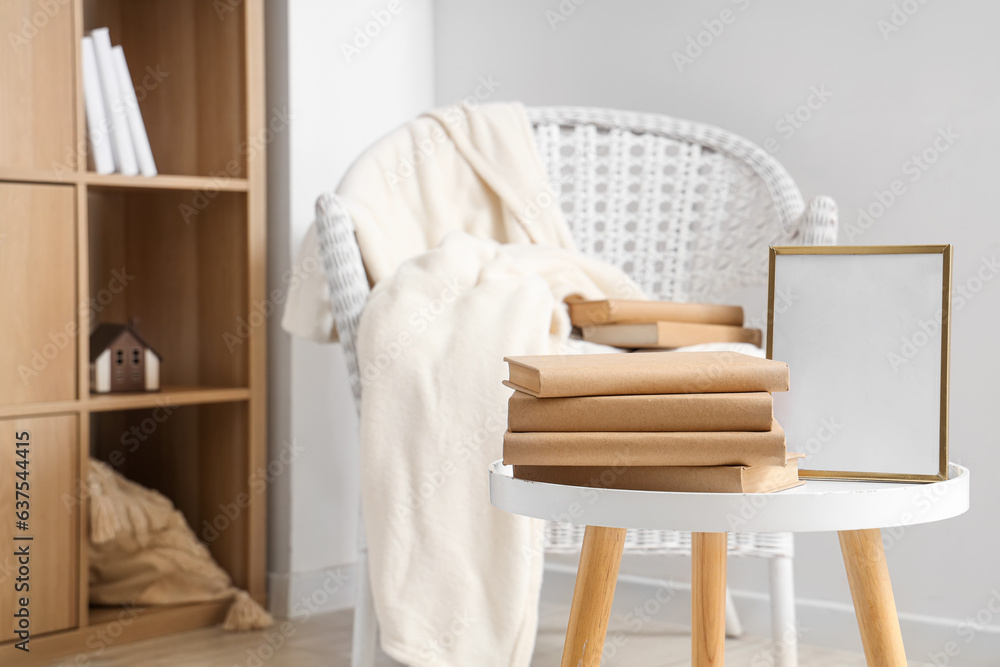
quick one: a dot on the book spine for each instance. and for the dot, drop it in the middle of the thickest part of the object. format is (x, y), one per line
(726, 448)
(678, 479)
(681, 479)
(98, 129)
(587, 313)
(114, 104)
(632, 312)
(749, 411)
(679, 334)
(137, 129)
(721, 378)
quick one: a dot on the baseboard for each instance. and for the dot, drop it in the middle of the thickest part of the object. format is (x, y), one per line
(301, 594)
(929, 639)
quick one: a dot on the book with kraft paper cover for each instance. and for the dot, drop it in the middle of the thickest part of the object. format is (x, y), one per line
(706, 448)
(547, 376)
(669, 335)
(678, 479)
(616, 311)
(747, 411)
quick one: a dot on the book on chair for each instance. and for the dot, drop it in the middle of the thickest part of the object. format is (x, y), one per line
(669, 334)
(626, 311)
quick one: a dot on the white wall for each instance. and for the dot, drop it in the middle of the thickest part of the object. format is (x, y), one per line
(341, 92)
(889, 98)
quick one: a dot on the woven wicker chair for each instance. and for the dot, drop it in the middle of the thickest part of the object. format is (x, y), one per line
(686, 209)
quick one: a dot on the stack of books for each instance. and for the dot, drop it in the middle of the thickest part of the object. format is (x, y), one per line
(118, 138)
(675, 421)
(660, 324)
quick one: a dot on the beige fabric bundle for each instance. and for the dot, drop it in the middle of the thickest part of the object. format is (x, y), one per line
(143, 552)
(458, 169)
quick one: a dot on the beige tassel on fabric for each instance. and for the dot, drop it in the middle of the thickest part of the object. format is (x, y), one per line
(245, 614)
(142, 552)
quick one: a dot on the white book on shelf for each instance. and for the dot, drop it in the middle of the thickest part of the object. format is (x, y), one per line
(137, 129)
(98, 127)
(114, 104)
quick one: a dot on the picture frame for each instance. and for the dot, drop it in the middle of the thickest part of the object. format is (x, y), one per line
(865, 331)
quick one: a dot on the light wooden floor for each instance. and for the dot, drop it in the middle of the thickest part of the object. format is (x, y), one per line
(325, 641)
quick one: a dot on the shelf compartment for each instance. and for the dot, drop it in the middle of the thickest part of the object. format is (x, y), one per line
(191, 88)
(184, 263)
(196, 456)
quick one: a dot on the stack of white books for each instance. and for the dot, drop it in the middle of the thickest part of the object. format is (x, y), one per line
(118, 140)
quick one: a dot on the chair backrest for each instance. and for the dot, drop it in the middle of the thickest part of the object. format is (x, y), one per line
(688, 210)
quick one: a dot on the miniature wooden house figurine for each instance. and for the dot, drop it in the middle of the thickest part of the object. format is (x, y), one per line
(121, 361)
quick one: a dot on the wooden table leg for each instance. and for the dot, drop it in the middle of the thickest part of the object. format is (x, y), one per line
(871, 591)
(708, 599)
(595, 589)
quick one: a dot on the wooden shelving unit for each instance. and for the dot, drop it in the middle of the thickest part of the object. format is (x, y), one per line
(184, 252)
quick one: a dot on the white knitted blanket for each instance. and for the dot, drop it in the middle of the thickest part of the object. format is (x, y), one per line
(455, 580)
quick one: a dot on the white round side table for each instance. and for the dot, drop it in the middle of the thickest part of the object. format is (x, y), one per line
(857, 510)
